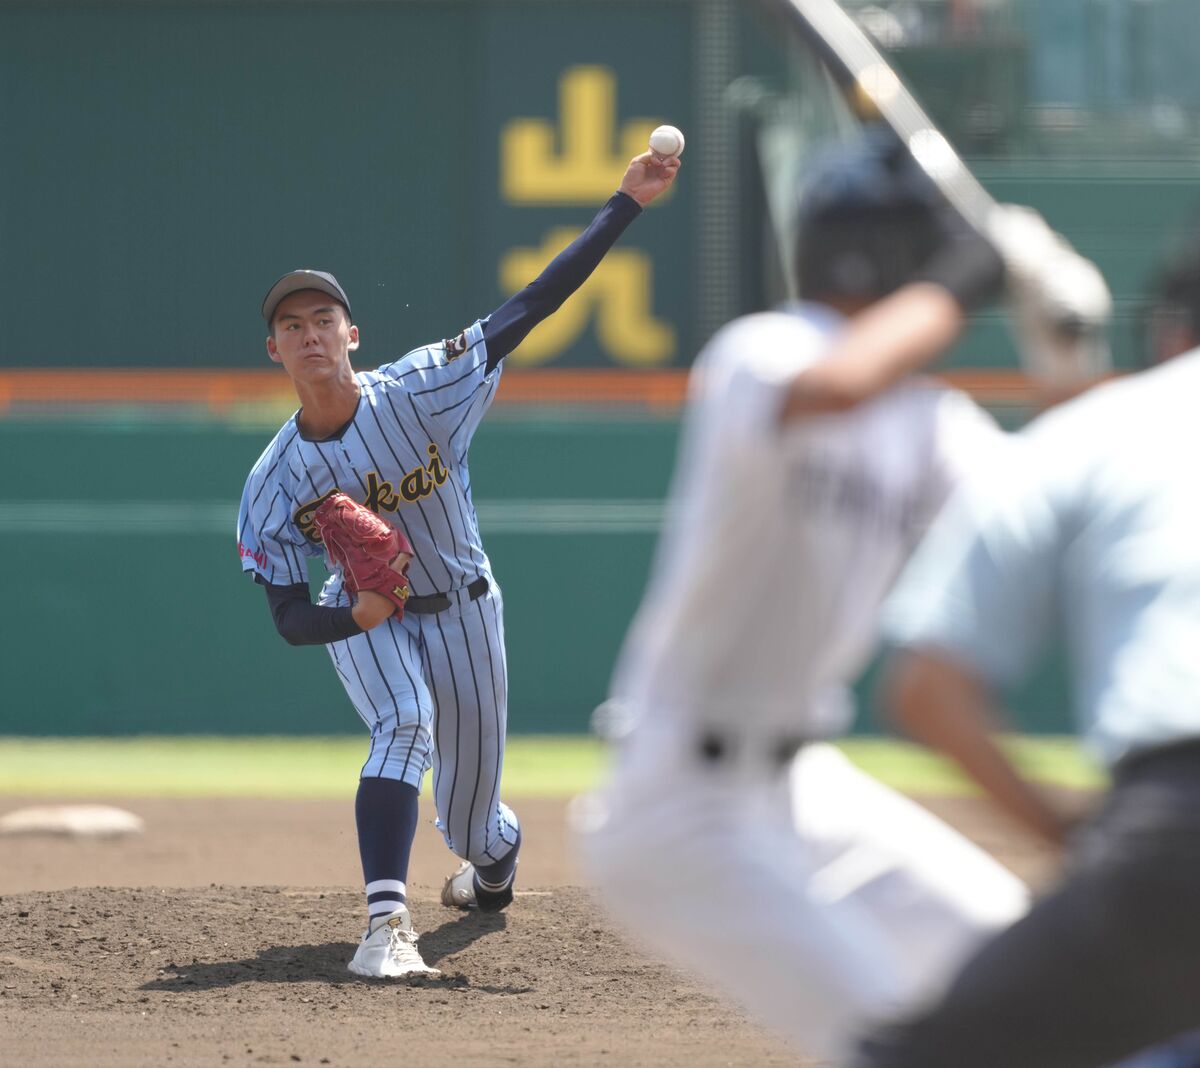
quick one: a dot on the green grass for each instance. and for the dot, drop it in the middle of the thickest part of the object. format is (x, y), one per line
(536, 766)
(1059, 761)
(254, 767)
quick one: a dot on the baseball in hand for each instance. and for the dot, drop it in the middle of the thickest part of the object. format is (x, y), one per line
(667, 141)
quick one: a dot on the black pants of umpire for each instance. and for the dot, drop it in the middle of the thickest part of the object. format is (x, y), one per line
(1106, 964)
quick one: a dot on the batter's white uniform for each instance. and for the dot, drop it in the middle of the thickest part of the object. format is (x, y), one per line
(815, 895)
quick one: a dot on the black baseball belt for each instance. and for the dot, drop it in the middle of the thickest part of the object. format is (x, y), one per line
(715, 747)
(432, 603)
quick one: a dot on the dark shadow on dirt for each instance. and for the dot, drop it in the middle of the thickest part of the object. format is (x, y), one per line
(455, 935)
(279, 964)
(327, 963)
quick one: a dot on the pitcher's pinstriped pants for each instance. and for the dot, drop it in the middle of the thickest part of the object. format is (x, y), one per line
(433, 690)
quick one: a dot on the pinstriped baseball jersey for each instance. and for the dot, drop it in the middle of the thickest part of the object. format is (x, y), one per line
(432, 689)
(404, 455)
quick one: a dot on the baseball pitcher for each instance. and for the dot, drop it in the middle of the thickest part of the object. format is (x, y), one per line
(372, 472)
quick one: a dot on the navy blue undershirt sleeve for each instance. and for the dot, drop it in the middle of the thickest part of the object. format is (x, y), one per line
(507, 326)
(300, 622)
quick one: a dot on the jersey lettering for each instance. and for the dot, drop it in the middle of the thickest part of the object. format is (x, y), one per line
(382, 496)
(257, 555)
(825, 488)
(304, 516)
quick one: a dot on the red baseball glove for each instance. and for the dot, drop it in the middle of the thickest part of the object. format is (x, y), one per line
(372, 555)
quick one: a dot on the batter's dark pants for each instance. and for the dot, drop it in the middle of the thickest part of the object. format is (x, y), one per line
(1108, 963)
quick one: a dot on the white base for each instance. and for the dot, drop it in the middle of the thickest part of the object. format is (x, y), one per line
(82, 821)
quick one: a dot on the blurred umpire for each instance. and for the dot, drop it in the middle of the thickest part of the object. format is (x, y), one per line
(1093, 538)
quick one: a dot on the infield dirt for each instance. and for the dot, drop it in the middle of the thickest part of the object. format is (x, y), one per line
(221, 936)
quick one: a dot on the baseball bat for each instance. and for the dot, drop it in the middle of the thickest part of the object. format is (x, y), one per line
(875, 93)
(1062, 290)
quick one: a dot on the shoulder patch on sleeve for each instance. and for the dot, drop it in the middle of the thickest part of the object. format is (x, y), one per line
(455, 347)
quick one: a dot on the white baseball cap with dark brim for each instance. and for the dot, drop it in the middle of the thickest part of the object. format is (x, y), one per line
(295, 281)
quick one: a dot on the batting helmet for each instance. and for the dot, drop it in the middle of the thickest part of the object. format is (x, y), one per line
(868, 219)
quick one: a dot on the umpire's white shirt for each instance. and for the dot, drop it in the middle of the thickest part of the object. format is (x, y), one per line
(780, 544)
(1093, 534)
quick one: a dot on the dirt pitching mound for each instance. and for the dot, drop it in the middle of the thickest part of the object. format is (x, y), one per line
(252, 975)
(140, 974)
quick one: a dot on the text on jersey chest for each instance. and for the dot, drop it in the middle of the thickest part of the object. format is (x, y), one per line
(382, 494)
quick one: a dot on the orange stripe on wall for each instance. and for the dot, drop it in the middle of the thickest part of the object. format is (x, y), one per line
(214, 389)
(220, 390)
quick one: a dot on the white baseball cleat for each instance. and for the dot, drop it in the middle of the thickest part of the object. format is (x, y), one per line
(390, 951)
(458, 891)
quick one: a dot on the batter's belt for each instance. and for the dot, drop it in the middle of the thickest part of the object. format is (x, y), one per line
(716, 746)
(432, 603)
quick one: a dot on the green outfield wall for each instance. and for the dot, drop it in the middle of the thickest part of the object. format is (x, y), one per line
(134, 615)
(165, 160)
(129, 613)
